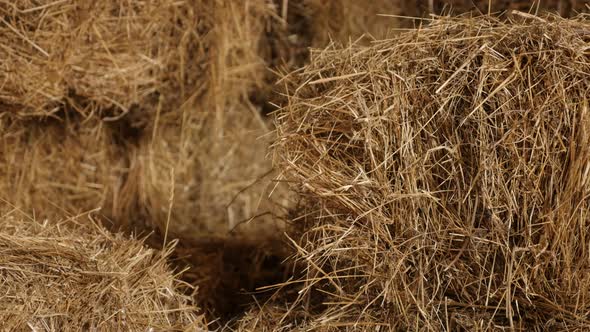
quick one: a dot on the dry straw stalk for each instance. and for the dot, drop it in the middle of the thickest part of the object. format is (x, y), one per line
(75, 275)
(64, 168)
(94, 56)
(446, 175)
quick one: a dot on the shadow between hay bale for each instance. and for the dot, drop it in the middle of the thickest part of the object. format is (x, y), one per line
(230, 272)
(75, 275)
(446, 177)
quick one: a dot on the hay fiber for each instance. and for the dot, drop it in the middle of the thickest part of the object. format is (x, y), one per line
(64, 168)
(446, 179)
(93, 56)
(76, 276)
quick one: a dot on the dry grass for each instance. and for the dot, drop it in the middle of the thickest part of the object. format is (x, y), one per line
(92, 56)
(181, 85)
(344, 21)
(201, 165)
(137, 63)
(203, 186)
(64, 168)
(446, 178)
(74, 275)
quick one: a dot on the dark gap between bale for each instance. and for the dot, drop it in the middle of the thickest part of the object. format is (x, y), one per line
(229, 272)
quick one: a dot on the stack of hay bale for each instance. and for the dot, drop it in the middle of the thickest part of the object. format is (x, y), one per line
(149, 111)
(444, 178)
(111, 106)
(147, 114)
(77, 80)
(151, 116)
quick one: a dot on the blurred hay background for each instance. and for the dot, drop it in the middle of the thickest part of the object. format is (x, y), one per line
(75, 275)
(444, 172)
(425, 8)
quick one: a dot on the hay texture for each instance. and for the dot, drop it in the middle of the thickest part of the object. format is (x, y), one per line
(64, 168)
(343, 21)
(74, 276)
(423, 8)
(106, 58)
(84, 54)
(445, 173)
(201, 165)
(198, 178)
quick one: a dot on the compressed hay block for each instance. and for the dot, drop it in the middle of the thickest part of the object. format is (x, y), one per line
(201, 166)
(197, 178)
(236, 52)
(119, 62)
(103, 58)
(445, 173)
(75, 275)
(97, 51)
(57, 168)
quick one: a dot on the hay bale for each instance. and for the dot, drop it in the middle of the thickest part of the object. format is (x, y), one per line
(59, 168)
(111, 60)
(104, 58)
(446, 178)
(195, 180)
(202, 167)
(75, 275)
(60, 52)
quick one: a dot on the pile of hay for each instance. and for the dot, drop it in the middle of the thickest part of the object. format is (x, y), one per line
(445, 178)
(64, 168)
(202, 164)
(196, 177)
(101, 57)
(196, 161)
(75, 275)
(182, 83)
(100, 72)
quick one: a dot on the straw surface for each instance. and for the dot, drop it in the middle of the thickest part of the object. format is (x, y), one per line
(565, 8)
(75, 275)
(446, 178)
(201, 164)
(99, 57)
(64, 168)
